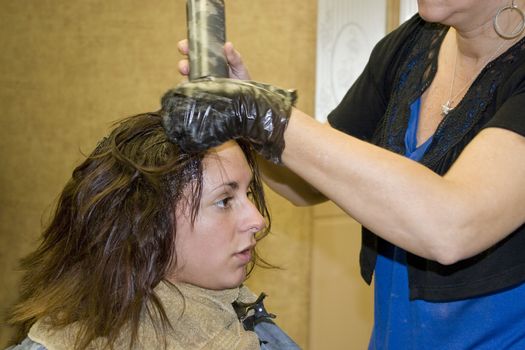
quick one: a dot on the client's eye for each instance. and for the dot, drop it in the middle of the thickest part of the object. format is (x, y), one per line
(224, 203)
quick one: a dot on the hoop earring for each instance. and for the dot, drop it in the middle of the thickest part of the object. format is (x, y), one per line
(518, 30)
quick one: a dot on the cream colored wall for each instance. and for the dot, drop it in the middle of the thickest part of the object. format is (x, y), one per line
(341, 304)
(70, 68)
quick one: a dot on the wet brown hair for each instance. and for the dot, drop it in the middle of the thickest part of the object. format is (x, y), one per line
(111, 238)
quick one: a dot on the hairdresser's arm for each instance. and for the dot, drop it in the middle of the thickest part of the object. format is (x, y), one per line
(444, 218)
(289, 185)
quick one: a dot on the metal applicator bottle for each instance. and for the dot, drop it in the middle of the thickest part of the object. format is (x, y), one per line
(206, 35)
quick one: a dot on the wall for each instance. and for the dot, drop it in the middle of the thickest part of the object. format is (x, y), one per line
(341, 304)
(68, 69)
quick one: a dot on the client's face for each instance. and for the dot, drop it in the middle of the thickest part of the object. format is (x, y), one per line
(215, 251)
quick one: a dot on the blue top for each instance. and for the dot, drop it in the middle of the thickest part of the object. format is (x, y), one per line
(494, 321)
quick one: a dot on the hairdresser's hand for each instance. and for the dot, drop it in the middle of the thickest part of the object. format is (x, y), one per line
(237, 69)
(207, 112)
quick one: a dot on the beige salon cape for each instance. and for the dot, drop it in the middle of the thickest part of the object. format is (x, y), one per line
(208, 322)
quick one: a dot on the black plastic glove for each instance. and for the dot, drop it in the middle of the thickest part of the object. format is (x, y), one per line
(207, 112)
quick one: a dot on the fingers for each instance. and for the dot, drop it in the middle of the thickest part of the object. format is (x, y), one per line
(183, 47)
(233, 56)
(237, 68)
(184, 66)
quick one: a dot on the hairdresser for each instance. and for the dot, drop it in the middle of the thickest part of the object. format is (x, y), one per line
(426, 151)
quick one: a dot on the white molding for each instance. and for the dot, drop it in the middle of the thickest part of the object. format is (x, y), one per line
(347, 31)
(407, 8)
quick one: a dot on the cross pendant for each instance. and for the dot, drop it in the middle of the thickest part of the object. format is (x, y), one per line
(445, 109)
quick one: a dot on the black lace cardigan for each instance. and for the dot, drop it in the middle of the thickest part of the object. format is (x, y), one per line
(376, 109)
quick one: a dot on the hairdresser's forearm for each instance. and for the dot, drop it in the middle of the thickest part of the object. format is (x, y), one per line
(400, 200)
(290, 186)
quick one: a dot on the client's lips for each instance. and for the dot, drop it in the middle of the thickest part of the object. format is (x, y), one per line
(245, 255)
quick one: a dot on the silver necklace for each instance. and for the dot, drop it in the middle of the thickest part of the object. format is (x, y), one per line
(448, 106)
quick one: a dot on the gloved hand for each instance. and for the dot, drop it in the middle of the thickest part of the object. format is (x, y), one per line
(207, 112)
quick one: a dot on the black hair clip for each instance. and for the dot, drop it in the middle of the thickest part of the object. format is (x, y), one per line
(250, 314)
